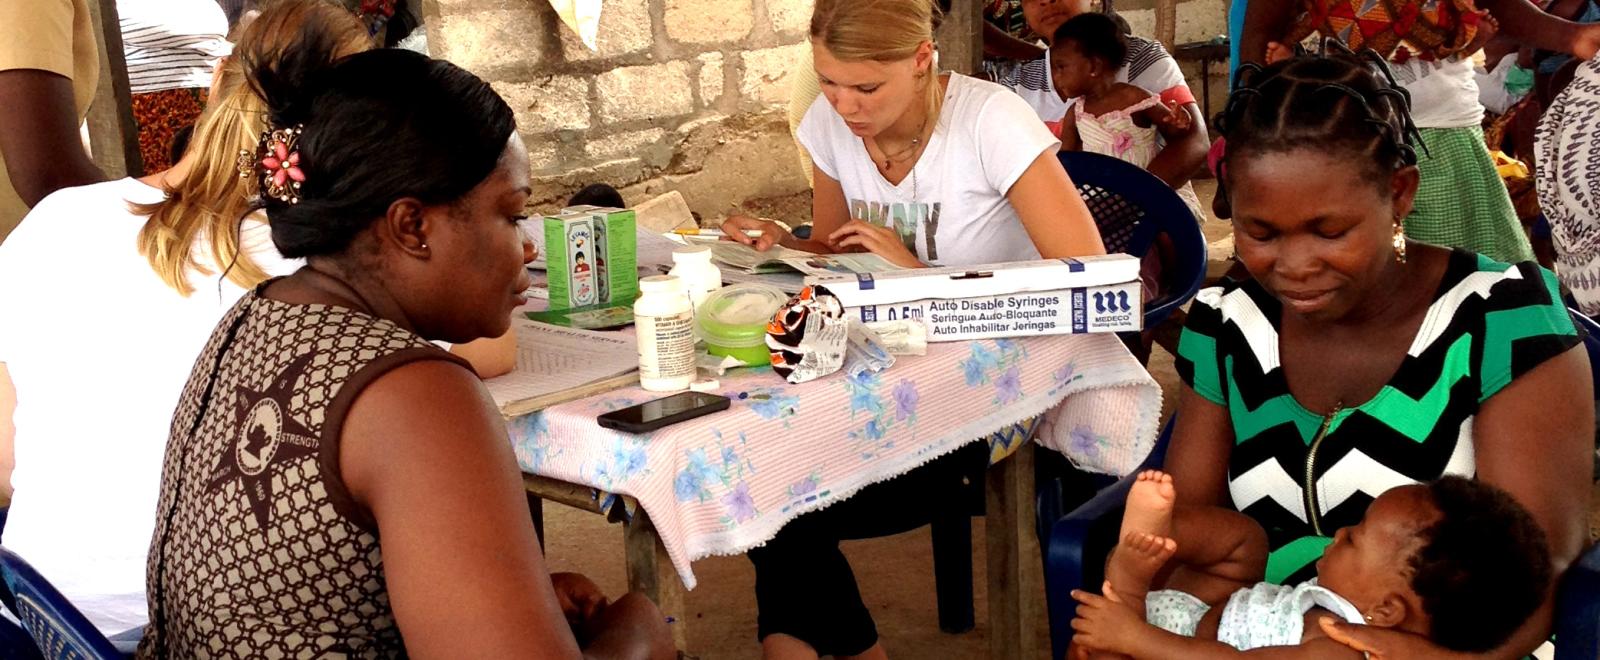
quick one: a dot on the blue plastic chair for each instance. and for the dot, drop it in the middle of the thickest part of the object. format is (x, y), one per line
(1578, 609)
(1591, 343)
(1578, 628)
(15, 643)
(59, 630)
(1132, 207)
(1073, 561)
(1068, 561)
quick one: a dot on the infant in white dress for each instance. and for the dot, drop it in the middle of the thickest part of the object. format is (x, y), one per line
(1456, 561)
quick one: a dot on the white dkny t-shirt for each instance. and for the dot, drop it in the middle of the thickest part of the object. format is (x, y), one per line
(99, 349)
(952, 209)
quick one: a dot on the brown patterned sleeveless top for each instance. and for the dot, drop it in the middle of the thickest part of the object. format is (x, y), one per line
(259, 549)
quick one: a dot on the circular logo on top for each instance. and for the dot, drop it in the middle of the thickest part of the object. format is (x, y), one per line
(259, 437)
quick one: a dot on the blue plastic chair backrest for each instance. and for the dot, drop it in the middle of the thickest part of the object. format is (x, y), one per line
(1591, 343)
(16, 643)
(1131, 207)
(59, 630)
(1577, 624)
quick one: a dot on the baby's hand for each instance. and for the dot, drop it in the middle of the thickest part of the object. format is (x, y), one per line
(1174, 118)
(1103, 624)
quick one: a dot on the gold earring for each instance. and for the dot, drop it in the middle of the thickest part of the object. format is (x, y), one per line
(1369, 618)
(1399, 240)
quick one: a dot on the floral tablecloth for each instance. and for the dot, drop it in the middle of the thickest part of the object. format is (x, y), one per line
(724, 483)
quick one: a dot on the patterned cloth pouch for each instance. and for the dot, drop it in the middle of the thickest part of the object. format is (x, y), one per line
(808, 336)
(1567, 153)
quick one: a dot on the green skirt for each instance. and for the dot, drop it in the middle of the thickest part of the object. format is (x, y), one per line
(1461, 202)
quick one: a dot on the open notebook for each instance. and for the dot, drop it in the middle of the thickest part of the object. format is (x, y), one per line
(556, 365)
(780, 259)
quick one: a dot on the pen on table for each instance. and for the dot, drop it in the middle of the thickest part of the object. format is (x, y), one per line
(752, 233)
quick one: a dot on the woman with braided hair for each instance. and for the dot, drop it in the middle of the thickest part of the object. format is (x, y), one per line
(1357, 359)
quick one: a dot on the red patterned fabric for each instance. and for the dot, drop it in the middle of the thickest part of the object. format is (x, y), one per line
(1430, 29)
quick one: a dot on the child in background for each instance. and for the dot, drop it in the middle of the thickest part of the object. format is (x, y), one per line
(1105, 116)
(1115, 119)
(1455, 560)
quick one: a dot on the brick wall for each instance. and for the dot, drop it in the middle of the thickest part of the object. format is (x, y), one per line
(681, 94)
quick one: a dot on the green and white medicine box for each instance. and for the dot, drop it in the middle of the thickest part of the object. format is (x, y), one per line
(592, 255)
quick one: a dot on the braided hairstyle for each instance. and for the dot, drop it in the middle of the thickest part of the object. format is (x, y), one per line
(1337, 101)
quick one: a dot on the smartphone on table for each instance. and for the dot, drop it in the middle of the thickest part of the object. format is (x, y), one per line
(652, 415)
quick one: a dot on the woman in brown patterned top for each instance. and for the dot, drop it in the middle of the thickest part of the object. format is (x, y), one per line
(334, 483)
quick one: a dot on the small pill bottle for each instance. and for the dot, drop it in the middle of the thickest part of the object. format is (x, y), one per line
(700, 277)
(664, 321)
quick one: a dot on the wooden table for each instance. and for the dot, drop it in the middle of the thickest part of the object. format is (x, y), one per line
(1204, 52)
(693, 488)
(1016, 579)
(648, 569)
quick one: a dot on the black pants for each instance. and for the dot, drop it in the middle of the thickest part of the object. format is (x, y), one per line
(804, 586)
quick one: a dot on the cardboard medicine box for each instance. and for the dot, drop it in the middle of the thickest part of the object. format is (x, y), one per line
(592, 255)
(1022, 299)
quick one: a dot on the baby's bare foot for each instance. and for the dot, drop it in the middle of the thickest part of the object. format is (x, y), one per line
(1149, 506)
(1277, 52)
(1134, 563)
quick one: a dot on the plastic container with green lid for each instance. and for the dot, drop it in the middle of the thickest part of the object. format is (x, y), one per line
(733, 321)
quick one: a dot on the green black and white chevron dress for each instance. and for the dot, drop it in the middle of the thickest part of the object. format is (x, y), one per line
(1303, 475)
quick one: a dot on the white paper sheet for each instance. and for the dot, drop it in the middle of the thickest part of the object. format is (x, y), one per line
(552, 359)
(741, 257)
(655, 249)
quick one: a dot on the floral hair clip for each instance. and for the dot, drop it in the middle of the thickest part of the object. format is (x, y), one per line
(277, 162)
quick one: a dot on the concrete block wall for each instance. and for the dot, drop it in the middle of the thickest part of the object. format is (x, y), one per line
(680, 94)
(686, 95)
(1198, 20)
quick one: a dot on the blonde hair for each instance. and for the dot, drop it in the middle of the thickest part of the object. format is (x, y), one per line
(212, 199)
(880, 31)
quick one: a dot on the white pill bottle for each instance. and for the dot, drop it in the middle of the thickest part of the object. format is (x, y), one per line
(700, 277)
(664, 321)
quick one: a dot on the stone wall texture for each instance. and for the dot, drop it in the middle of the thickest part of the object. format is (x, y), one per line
(679, 94)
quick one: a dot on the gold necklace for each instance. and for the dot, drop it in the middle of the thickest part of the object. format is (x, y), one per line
(903, 153)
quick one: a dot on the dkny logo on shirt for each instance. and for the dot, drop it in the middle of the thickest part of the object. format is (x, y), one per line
(904, 218)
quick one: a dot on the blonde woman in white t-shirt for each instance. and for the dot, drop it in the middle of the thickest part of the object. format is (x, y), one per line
(110, 291)
(920, 169)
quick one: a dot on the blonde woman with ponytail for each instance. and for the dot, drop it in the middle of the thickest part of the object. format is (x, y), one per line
(107, 294)
(920, 168)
